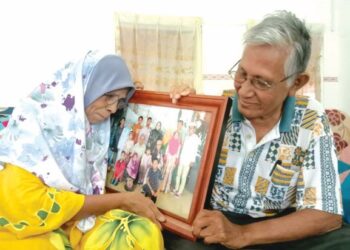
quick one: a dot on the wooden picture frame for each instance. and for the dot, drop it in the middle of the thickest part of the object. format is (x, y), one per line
(202, 117)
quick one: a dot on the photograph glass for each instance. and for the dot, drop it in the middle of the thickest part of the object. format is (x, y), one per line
(162, 151)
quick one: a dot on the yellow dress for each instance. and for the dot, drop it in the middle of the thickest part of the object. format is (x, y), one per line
(34, 216)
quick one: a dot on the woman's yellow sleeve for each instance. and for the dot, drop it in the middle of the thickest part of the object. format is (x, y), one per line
(29, 207)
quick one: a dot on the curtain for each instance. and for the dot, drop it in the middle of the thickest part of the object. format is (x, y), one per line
(160, 51)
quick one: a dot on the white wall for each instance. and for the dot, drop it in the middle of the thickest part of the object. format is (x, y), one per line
(38, 36)
(337, 58)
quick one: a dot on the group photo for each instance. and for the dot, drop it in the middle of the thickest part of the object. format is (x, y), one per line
(157, 151)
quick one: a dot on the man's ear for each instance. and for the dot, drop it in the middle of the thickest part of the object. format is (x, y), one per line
(299, 82)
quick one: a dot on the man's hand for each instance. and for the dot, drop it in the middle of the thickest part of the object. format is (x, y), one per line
(139, 85)
(178, 91)
(214, 227)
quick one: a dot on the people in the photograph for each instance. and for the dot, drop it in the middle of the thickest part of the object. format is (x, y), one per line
(129, 145)
(136, 128)
(181, 130)
(172, 157)
(132, 168)
(129, 184)
(198, 120)
(187, 158)
(119, 168)
(152, 186)
(158, 153)
(146, 130)
(145, 164)
(140, 147)
(116, 134)
(155, 135)
(202, 126)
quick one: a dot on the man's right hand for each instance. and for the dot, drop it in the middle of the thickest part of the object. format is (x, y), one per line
(214, 227)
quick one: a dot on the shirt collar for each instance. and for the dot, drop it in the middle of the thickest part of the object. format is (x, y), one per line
(287, 114)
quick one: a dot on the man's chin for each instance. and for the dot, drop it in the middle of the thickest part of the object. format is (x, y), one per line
(247, 113)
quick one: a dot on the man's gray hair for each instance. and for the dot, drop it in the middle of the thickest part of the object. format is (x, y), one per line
(284, 29)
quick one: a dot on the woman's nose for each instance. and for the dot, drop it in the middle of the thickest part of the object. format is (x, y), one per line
(112, 108)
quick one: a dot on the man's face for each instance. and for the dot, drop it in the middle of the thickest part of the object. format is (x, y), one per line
(265, 62)
(141, 139)
(191, 130)
(149, 122)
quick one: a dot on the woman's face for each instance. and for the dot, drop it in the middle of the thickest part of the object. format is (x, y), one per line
(101, 109)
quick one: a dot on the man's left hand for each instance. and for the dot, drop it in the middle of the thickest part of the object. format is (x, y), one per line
(177, 91)
(214, 227)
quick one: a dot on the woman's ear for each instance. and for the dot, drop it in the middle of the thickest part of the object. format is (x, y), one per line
(299, 82)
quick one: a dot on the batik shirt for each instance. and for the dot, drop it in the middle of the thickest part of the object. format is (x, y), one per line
(294, 165)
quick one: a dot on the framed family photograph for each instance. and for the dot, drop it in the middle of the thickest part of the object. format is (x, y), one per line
(167, 152)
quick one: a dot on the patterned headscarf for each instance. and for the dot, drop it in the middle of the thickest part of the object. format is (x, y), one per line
(49, 134)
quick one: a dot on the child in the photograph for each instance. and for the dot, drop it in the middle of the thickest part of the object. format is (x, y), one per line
(129, 145)
(129, 184)
(136, 128)
(146, 130)
(157, 152)
(133, 165)
(119, 168)
(132, 169)
(146, 163)
(152, 186)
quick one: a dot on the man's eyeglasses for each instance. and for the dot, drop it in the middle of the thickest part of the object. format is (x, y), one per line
(113, 99)
(240, 77)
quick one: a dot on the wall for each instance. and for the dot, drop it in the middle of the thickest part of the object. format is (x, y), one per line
(38, 36)
(337, 58)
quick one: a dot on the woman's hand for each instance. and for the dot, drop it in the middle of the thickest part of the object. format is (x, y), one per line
(129, 201)
(177, 91)
(139, 204)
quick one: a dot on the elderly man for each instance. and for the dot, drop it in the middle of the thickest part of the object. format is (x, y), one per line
(279, 180)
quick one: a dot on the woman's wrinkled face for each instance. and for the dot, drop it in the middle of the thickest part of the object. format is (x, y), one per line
(101, 109)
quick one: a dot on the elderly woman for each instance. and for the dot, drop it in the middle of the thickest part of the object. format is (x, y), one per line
(54, 163)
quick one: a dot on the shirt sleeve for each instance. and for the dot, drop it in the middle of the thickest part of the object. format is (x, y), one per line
(319, 184)
(29, 207)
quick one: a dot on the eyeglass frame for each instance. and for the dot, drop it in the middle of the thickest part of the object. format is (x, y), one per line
(121, 102)
(268, 85)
